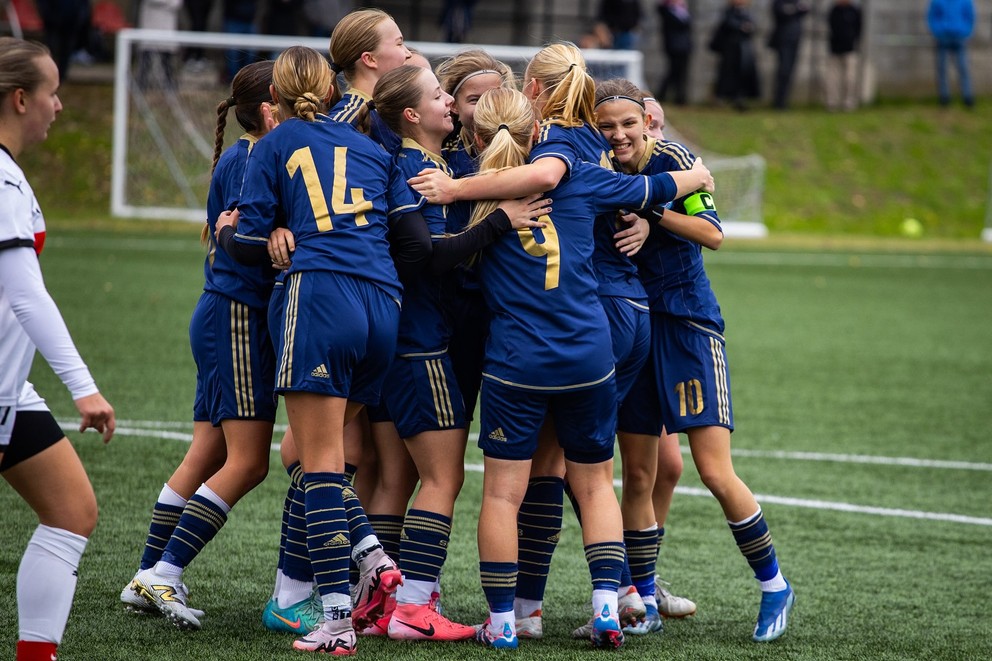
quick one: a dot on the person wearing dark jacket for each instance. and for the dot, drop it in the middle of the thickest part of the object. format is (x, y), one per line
(844, 21)
(676, 38)
(788, 18)
(737, 72)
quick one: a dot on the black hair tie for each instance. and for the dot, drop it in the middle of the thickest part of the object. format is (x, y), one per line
(371, 104)
(503, 126)
(336, 68)
(231, 101)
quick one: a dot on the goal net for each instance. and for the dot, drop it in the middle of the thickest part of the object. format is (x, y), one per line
(165, 119)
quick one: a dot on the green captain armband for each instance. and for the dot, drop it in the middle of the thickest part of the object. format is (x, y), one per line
(698, 203)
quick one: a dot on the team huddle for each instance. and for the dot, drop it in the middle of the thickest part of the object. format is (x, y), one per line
(390, 258)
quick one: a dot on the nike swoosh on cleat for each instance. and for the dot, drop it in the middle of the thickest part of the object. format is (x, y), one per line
(295, 624)
(429, 631)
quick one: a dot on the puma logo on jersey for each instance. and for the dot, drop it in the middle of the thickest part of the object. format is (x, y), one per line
(339, 539)
(497, 435)
(320, 372)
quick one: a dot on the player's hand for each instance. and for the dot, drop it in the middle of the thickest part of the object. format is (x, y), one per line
(630, 240)
(96, 414)
(708, 184)
(226, 219)
(435, 185)
(281, 245)
(270, 116)
(522, 212)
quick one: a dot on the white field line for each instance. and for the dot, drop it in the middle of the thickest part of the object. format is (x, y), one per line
(162, 429)
(855, 260)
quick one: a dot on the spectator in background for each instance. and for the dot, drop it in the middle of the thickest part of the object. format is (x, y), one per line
(323, 15)
(239, 18)
(63, 22)
(951, 23)
(199, 13)
(844, 21)
(622, 18)
(456, 19)
(786, 34)
(158, 15)
(676, 39)
(737, 72)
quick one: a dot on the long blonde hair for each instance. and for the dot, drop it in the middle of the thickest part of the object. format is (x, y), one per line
(302, 79)
(504, 121)
(353, 35)
(561, 70)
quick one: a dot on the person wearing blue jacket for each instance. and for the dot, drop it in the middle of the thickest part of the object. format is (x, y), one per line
(951, 23)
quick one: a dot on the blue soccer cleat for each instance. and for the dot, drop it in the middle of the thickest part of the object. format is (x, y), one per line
(650, 624)
(505, 640)
(773, 617)
(606, 631)
(300, 618)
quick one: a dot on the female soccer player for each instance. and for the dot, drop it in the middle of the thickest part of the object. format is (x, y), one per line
(34, 452)
(421, 393)
(340, 320)
(466, 76)
(563, 92)
(545, 357)
(234, 408)
(365, 45)
(688, 354)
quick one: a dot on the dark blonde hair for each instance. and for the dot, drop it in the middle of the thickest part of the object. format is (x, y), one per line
(353, 35)
(395, 92)
(619, 88)
(456, 69)
(249, 89)
(18, 69)
(302, 79)
(504, 121)
(561, 69)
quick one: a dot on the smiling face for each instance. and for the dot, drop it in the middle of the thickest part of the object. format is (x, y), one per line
(468, 96)
(391, 52)
(433, 112)
(42, 104)
(622, 124)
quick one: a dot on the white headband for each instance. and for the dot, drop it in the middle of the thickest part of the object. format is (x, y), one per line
(480, 72)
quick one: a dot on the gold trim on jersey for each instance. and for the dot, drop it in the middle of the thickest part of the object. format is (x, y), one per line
(649, 147)
(443, 409)
(677, 152)
(241, 359)
(703, 329)
(350, 110)
(290, 314)
(425, 354)
(573, 386)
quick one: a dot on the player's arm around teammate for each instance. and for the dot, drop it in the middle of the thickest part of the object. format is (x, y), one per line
(34, 452)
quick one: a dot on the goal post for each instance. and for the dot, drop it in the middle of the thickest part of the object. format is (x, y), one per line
(165, 121)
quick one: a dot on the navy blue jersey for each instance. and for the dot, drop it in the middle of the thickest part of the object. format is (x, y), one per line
(671, 267)
(423, 327)
(346, 110)
(250, 285)
(462, 159)
(332, 183)
(616, 274)
(549, 330)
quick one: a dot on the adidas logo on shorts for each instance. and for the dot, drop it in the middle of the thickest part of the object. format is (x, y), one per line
(320, 372)
(497, 435)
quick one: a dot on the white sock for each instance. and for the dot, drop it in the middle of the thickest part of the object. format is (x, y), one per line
(775, 584)
(526, 607)
(414, 592)
(168, 496)
(206, 492)
(363, 544)
(292, 591)
(334, 602)
(46, 583)
(277, 584)
(498, 620)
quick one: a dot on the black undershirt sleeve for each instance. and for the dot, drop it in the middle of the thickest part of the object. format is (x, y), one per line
(451, 251)
(242, 253)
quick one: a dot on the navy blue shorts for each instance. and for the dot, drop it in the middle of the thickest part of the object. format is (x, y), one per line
(277, 302)
(692, 375)
(422, 394)
(235, 363)
(630, 333)
(585, 421)
(339, 336)
(640, 411)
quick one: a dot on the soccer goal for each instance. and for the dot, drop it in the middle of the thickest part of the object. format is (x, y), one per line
(165, 119)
